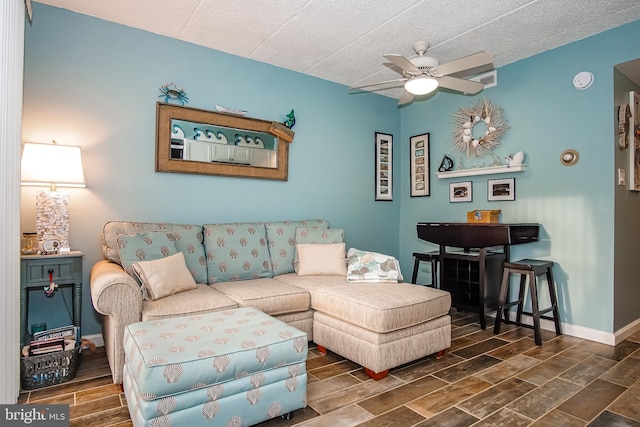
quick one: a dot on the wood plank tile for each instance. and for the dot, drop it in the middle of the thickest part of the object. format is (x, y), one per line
(466, 368)
(624, 373)
(592, 399)
(504, 417)
(348, 416)
(97, 393)
(588, 370)
(547, 369)
(553, 347)
(460, 343)
(608, 419)
(583, 351)
(628, 404)
(325, 360)
(496, 397)
(63, 399)
(480, 348)
(557, 418)
(401, 416)
(89, 408)
(507, 369)
(513, 349)
(353, 394)
(102, 419)
(334, 369)
(463, 330)
(330, 385)
(544, 398)
(452, 417)
(400, 395)
(426, 367)
(69, 387)
(433, 403)
(620, 351)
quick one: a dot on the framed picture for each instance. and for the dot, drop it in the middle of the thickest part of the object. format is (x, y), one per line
(461, 191)
(384, 170)
(420, 165)
(634, 141)
(501, 189)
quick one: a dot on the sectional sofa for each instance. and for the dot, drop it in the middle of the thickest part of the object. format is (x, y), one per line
(295, 271)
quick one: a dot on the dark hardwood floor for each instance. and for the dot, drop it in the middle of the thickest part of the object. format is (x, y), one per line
(483, 380)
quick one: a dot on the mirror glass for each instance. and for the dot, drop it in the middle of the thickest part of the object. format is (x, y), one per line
(190, 140)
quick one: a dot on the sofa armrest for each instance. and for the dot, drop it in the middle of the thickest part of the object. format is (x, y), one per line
(114, 292)
(118, 297)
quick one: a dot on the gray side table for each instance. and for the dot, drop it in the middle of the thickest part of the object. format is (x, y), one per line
(65, 269)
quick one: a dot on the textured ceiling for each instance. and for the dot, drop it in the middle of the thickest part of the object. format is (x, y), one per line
(343, 41)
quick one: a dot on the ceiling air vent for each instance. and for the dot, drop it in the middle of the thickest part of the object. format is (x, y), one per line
(488, 79)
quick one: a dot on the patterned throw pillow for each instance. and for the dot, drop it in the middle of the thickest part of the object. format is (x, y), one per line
(372, 267)
(188, 240)
(236, 251)
(318, 236)
(281, 237)
(145, 246)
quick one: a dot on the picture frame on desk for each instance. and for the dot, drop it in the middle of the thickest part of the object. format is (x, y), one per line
(384, 167)
(461, 192)
(501, 189)
(420, 165)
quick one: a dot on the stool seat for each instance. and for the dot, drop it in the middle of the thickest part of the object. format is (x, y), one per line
(531, 269)
(433, 257)
(536, 265)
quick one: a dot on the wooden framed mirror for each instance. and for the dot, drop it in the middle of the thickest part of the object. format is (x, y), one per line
(191, 140)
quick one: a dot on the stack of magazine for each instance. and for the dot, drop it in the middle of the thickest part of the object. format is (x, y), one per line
(52, 340)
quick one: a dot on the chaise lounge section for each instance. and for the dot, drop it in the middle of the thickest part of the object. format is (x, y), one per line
(377, 325)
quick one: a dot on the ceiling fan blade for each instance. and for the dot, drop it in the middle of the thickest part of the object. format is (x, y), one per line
(465, 86)
(402, 80)
(476, 60)
(403, 63)
(406, 98)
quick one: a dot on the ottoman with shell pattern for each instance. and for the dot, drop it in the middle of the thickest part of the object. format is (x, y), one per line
(236, 367)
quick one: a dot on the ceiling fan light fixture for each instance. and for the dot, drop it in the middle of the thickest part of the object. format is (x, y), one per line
(421, 85)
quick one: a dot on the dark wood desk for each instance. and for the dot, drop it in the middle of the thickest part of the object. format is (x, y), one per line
(471, 270)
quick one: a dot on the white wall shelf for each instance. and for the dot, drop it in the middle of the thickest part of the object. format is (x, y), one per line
(481, 171)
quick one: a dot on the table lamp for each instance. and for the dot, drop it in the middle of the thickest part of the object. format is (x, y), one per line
(52, 165)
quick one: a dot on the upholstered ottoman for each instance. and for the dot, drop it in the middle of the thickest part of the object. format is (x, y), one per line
(235, 367)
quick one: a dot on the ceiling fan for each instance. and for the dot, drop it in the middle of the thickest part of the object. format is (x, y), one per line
(424, 74)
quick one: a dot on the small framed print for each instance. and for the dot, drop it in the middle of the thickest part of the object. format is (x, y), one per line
(501, 189)
(420, 165)
(384, 170)
(461, 191)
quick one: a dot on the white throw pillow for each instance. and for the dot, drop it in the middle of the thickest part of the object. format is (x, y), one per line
(165, 276)
(321, 259)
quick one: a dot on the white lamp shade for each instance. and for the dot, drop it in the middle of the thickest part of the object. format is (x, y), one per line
(421, 85)
(51, 165)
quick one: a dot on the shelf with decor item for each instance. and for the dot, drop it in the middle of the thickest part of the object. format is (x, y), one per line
(482, 171)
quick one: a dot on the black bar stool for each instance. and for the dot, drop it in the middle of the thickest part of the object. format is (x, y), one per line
(433, 257)
(531, 268)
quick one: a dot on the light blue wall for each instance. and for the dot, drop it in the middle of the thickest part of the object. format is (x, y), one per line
(95, 84)
(575, 205)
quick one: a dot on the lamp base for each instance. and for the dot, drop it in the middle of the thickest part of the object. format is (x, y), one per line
(52, 217)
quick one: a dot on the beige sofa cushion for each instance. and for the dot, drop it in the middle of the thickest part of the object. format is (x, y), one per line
(201, 300)
(379, 307)
(266, 294)
(163, 277)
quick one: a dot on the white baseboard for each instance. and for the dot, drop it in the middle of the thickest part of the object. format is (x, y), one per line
(625, 332)
(96, 339)
(574, 330)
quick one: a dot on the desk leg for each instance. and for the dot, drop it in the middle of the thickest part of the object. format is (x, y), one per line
(482, 291)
